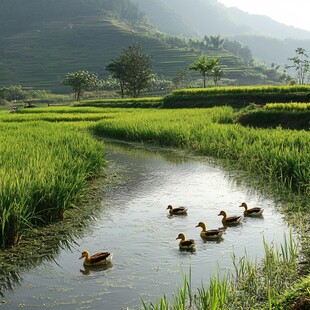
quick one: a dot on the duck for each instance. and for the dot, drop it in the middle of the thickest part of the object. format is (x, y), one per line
(98, 259)
(251, 212)
(230, 220)
(184, 244)
(210, 234)
(177, 211)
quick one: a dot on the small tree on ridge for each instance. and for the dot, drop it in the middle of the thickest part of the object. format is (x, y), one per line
(80, 81)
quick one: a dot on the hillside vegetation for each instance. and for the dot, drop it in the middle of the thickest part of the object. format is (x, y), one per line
(43, 40)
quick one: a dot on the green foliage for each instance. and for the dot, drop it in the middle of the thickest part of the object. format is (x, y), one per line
(277, 155)
(204, 66)
(301, 64)
(296, 297)
(133, 70)
(123, 103)
(249, 286)
(39, 183)
(46, 10)
(292, 106)
(272, 118)
(80, 81)
(236, 96)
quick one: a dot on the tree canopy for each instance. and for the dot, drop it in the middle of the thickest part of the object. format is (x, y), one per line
(80, 81)
(204, 66)
(133, 69)
(300, 63)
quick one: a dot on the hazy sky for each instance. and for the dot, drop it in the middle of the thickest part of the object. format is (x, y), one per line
(290, 12)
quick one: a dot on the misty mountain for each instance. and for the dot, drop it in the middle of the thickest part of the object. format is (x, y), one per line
(209, 17)
(42, 40)
(269, 40)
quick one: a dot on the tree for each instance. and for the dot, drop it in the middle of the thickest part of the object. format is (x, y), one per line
(300, 63)
(217, 42)
(181, 78)
(118, 70)
(80, 81)
(133, 69)
(217, 74)
(204, 66)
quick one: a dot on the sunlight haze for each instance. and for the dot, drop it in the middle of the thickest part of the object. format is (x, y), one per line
(293, 13)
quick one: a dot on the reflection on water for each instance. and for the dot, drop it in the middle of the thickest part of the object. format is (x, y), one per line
(88, 269)
(134, 224)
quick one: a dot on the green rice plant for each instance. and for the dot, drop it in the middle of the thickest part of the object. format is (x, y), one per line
(237, 97)
(151, 102)
(249, 286)
(243, 89)
(44, 169)
(276, 154)
(292, 106)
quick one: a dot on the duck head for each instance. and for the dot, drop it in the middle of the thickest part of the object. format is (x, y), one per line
(181, 236)
(244, 205)
(84, 254)
(202, 225)
(222, 213)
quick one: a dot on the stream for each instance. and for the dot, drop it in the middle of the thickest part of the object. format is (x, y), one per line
(134, 224)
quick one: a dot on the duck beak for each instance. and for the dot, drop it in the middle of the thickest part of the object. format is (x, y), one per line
(219, 214)
(81, 257)
(197, 226)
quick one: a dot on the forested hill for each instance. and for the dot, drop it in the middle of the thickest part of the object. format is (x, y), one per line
(42, 40)
(23, 14)
(209, 17)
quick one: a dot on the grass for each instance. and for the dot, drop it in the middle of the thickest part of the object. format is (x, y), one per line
(59, 157)
(237, 97)
(151, 102)
(276, 154)
(292, 107)
(44, 169)
(244, 89)
(248, 286)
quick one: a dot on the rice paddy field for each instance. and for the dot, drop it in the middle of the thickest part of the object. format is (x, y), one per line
(48, 156)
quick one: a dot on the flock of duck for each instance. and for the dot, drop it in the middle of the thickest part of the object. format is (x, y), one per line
(103, 258)
(213, 234)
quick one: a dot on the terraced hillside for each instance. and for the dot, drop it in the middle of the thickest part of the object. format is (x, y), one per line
(40, 54)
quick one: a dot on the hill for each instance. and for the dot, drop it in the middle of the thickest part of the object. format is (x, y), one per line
(209, 17)
(42, 40)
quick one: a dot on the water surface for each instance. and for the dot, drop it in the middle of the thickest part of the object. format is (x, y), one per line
(134, 224)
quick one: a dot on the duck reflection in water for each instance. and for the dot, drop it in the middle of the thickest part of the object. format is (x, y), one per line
(89, 269)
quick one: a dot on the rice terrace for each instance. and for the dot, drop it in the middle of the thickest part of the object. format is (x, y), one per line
(175, 176)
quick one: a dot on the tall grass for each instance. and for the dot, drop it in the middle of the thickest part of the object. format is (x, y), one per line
(248, 286)
(237, 97)
(43, 170)
(276, 154)
(292, 106)
(243, 89)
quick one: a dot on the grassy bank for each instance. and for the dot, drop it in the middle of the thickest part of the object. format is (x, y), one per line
(58, 157)
(277, 155)
(44, 170)
(294, 115)
(249, 286)
(237, 97)
(124, 103)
